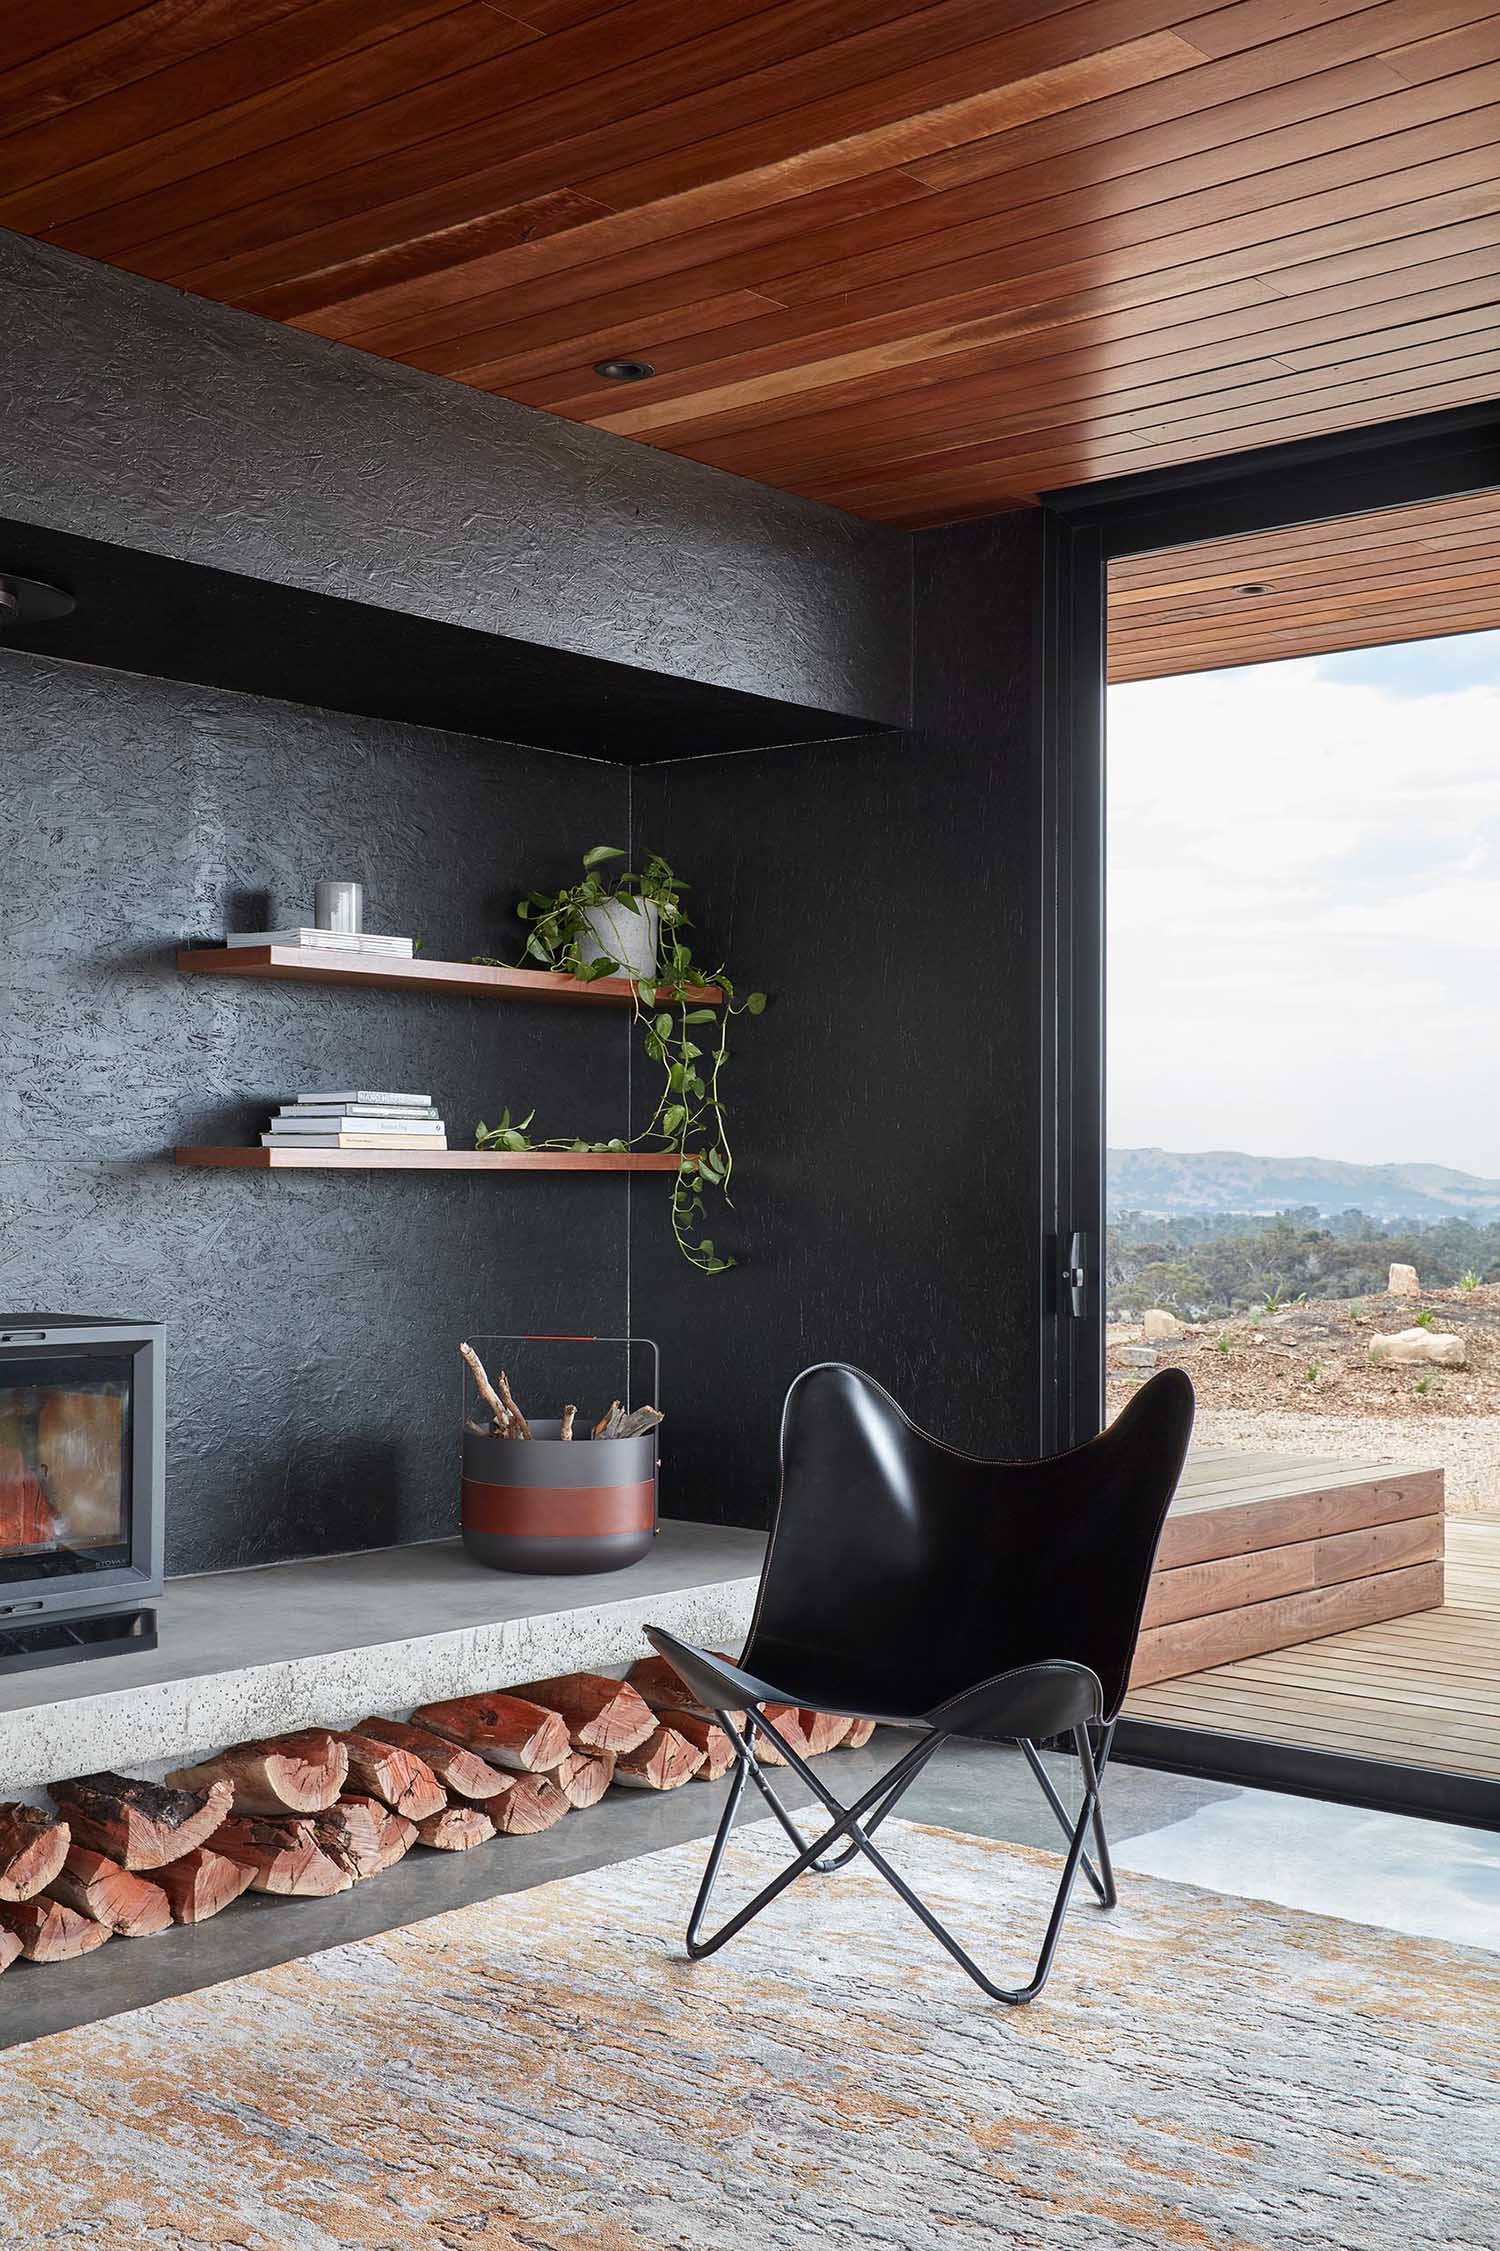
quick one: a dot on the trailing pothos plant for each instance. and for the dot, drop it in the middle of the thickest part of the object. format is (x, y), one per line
(680, 1032)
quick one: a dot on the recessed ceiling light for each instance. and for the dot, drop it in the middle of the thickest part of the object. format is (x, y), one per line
(1253, 586)
(624, 371)
(29, 601)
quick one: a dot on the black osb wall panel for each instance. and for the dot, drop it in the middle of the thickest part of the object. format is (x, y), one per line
(312, 1384)
(312, 1320)
(885, 1108)
(137, 415)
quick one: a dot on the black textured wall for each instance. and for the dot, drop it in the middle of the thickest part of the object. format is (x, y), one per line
(885, 1109)
(159, 421)
(882, 887)
(311, 1320)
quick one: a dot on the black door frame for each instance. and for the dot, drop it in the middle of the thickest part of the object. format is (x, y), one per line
(1431, 457)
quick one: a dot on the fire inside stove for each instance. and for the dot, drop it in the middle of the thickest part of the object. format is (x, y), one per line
(65, 1463)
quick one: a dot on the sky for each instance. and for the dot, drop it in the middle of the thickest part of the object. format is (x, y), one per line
(1304, 908)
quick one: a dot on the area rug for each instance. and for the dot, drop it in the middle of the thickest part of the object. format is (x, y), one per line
(547, 2071)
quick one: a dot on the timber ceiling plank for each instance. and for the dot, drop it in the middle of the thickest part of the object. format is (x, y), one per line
(922, 259)
(1399, 574)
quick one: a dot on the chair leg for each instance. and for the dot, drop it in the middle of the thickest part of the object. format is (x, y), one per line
(849, 1822)
(889, 1787)
(1111, 1896)
(745, 1753)
(1101, 1879)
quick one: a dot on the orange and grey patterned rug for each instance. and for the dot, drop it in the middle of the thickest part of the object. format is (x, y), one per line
(547, 2071)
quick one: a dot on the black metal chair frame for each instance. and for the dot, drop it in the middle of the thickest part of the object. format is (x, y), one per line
(1091, 1745)
(883, 1797)
(1042, 1700)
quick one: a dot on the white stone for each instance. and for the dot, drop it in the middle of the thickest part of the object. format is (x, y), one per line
(1418, 1346)
(1161, 1324)
(1403, 1282)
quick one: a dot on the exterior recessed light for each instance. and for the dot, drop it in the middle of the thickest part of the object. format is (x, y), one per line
(1254, 586)
(624, 371)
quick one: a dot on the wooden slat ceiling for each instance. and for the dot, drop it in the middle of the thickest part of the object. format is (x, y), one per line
(1403, 574)
(923, 262)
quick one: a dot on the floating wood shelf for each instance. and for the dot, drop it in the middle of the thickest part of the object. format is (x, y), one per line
(431, 1160)
(298, 966)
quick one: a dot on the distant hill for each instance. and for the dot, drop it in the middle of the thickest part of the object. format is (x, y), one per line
(1180, 1182)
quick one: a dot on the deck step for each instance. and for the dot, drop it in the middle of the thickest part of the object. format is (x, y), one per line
(1261, 1554)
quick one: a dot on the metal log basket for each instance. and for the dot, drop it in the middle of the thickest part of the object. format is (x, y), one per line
(550, 1504)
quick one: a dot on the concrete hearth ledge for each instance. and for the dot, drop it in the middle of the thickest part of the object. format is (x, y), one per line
(245, 1653)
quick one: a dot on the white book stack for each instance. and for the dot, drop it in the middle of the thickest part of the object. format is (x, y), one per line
(325, 941)
(356, 1119)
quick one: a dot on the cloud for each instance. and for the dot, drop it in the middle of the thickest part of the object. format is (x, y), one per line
(1304, 908)
(1417, 668)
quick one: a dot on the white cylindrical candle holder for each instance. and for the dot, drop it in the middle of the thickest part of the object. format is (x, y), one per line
(339, 906)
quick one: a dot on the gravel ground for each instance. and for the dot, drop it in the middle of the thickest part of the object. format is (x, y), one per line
(1301, 1381)
(1467, 1449)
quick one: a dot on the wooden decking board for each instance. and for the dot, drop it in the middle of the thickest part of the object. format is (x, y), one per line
(1271, 1688)
(1435, 1749)
(1201, 1535)
(1392, 1699)
(1414, 1720)
(1196, 1590)
(1230, 1635)
(1237, 1468)
(1422, 1690)
(1222, 1492)
(1376, 1677)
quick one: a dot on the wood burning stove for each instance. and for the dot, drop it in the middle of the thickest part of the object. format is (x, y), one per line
(81, 1486)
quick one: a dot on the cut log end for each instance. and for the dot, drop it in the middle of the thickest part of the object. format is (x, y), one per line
(584, 1776)
(142, 1825)
(532, 1803)
(859, 1735)
(363, 1835)
(33, 1846)
(91, 1884)
(463, 1772)
(600, 1714)
(284, 1857)
(510, 1731)
(822, 1731)
(663, 1762)
(398, 1778)
(706, 1736)
(202, 1884)
(458, 1828)
(50, 1932)
(302, 1772)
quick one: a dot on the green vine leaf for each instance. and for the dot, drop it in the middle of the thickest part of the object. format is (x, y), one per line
(688, 1118)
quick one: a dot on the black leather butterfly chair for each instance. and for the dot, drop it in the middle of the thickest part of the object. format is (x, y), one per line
(922, 1588)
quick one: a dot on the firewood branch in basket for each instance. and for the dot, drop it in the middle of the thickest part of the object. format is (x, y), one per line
(508, 1421)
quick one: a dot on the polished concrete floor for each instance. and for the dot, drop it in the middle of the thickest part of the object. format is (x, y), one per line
(1425, 1877)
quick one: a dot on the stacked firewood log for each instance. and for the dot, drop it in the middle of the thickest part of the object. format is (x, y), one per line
(313, 1812)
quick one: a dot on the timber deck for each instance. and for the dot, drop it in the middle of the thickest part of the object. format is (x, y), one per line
(1413, 1680)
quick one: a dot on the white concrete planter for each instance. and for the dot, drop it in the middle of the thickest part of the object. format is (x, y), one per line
(628, 930)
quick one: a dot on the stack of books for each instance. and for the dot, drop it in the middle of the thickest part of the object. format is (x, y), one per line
(357, 1120)
(325, 941)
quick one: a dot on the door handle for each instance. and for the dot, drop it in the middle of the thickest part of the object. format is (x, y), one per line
(1076, 1276)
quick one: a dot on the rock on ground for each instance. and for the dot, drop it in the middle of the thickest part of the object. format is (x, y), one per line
(1410, 1346)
